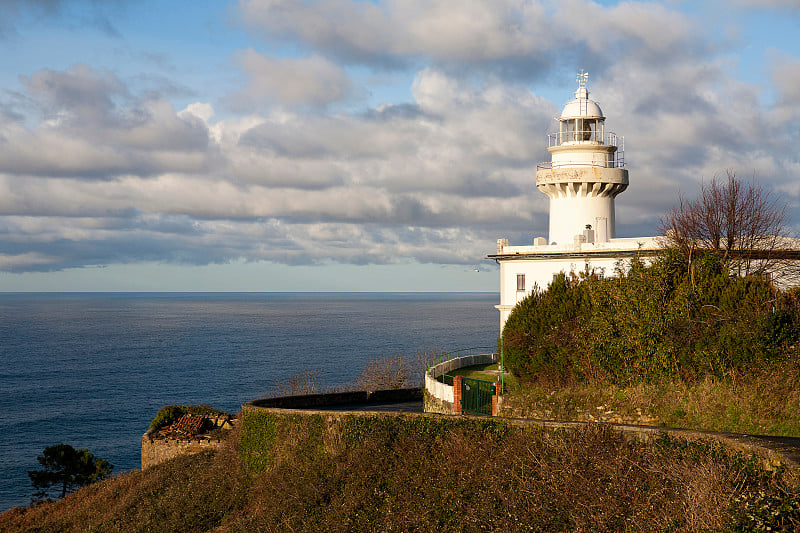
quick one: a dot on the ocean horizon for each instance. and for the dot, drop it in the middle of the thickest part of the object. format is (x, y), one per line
(91, 369)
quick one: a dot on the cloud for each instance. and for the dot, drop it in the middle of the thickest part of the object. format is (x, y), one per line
(90, 126)
(397, 33)
(515, 39)
(685, 123)
(295, 168)
(312, 81)
(117, 177)
(81, 88)
(774, 4)
(785, 74)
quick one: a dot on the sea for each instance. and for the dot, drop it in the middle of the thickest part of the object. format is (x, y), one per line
(92, 369)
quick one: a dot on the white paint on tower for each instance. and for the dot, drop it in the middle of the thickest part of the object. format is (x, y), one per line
(586, 172)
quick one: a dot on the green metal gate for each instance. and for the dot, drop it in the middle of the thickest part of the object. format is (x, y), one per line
(476, 396)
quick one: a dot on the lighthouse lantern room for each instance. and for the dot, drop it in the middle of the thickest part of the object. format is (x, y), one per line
(585, 174)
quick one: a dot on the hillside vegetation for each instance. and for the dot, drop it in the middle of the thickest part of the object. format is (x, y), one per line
(406, 473)
(689, 346)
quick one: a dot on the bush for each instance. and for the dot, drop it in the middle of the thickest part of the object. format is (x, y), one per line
(664, 320)
(537, 333)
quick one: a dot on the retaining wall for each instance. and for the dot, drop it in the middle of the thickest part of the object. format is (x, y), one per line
(773, 451)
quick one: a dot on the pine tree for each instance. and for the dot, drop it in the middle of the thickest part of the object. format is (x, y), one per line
(66, 469)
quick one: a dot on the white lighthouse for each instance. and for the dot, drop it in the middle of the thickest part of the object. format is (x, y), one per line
(586, 172)
(584, 176)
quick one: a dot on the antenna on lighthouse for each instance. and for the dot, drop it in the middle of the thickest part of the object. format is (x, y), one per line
(582, 78)
(582, 94)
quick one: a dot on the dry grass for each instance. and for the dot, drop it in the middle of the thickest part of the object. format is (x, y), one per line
(409, 474)
(765, 401)
(191, 493)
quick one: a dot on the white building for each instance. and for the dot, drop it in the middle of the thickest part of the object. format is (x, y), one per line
(586, 173)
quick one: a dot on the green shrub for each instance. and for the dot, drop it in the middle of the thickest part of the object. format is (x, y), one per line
(651, 322)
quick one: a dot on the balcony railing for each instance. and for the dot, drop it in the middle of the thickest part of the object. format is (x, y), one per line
(589, 136)
(614, 163)
(567, 138)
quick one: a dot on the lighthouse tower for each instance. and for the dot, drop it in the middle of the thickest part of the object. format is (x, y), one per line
(585, 174)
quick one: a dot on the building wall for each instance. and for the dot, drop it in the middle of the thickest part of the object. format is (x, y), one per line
(540, 273)
(155, 451)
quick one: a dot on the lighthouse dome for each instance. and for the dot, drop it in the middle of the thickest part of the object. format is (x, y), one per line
(581, 106)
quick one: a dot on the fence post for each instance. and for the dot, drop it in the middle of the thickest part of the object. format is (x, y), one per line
(457, 395)
(496, 399)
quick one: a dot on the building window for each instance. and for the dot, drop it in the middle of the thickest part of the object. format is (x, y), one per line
(520, 282)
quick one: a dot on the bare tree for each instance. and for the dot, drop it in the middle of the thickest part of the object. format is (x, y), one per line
(306, 381)
(742, 223)
(388, 372)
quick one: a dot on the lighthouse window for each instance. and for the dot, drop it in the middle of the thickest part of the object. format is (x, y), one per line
(584, 129)
(581, 129)
(571, 131)
(520, 282)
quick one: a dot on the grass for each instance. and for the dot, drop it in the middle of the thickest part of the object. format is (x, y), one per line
(432, 474)
(765, 402)
(411, 473)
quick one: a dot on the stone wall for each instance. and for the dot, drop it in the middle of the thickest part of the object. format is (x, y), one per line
(156, 450)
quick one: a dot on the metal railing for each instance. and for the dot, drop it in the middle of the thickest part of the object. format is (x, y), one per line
(614, 163)
(583, 136)
(617, 159)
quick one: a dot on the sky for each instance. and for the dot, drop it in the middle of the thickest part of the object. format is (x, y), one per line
(340, 145)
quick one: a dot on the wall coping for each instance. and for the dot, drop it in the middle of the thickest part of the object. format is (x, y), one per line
(336, 399)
